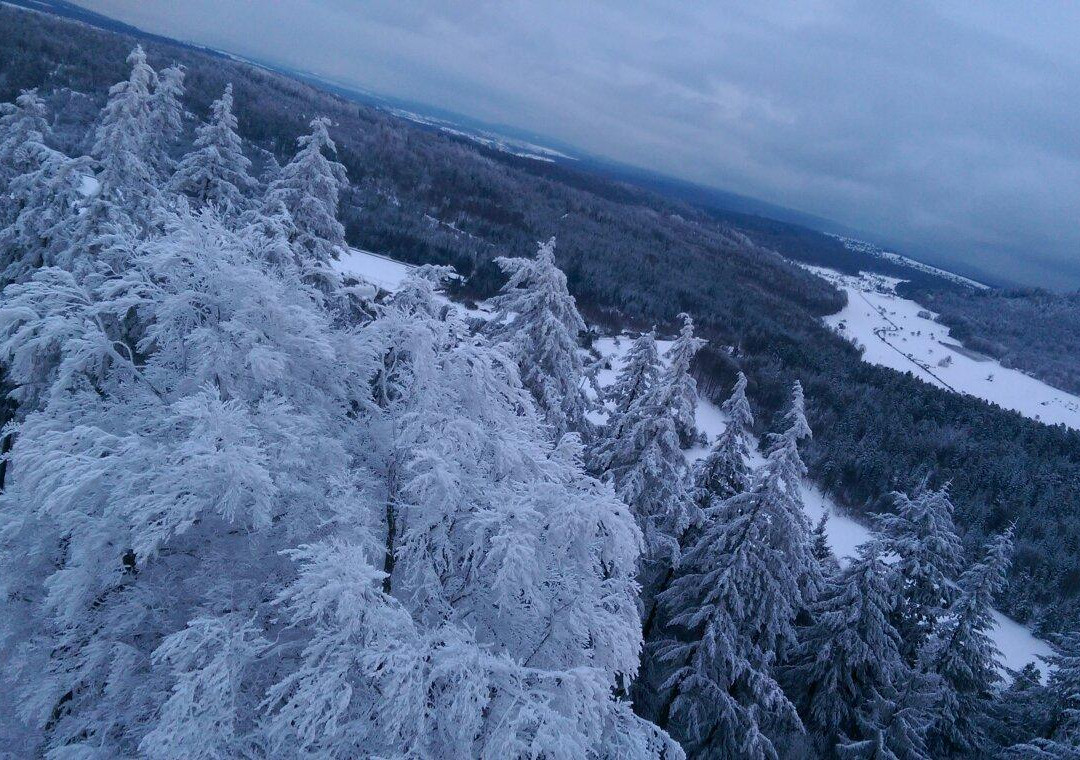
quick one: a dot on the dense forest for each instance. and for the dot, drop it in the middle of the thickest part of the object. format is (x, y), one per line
(632, 260)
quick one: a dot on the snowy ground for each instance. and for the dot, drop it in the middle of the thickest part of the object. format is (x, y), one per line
(379, 270)
(898, 333)
(1015, 641)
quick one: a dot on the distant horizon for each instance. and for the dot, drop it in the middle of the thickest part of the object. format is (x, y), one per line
(980, 186)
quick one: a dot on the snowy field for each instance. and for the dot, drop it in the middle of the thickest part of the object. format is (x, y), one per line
(898, 333)
(1016, 643)
(376, 269)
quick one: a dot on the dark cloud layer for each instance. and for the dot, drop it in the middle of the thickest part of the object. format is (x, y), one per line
(951, 128)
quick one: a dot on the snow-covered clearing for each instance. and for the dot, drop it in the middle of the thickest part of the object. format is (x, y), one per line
(898, 333)
(1017, 644)
(379, 270)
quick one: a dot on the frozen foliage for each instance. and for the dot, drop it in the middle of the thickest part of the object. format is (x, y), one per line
(308, 187)
(537, 317)
(638, 374)
(238, 525)
(921, 538)
(725, 471)
(849, 672)
(23, 127)
(216, 171)
(962, 658)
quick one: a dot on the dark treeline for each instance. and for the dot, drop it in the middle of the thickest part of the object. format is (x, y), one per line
(634, 259)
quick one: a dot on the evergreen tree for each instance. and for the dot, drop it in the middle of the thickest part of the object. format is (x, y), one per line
(234, 528)
(45, 203)
(961, 656)
(122, 142)
(731, 608)
(216, 171)
(1061, 734)
(23, 130)
(679, 383)
(309, 187)
(166, 118)
(928, 560)
(726, 470)
(535, 315)
(849, 672)
(637, 375)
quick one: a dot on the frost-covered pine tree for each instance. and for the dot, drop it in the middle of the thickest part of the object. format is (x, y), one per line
(679, 383)
(122, 142)
(220, 537)
(309, 187)
(961, 657)
(637, 375)
(166, 119)
(731, 609)
(45, 205)
(920, 534)
(848, 673)
(23, 128)
(216, 170)
(726, 470)
(535, 315)
(1062, 739)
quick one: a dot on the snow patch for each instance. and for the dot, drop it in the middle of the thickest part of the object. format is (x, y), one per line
(899, 333)
(385, 272)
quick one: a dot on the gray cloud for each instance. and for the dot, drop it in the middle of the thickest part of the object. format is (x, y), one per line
(951, 128)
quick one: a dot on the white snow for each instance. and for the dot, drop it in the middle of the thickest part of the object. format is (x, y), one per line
(89, 186)
(898, 333)
(1017, 644)
(380, 270)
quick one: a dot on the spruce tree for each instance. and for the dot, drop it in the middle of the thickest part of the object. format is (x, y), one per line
(928, 560)
(679, 383)
(848, 672)
(637, 375)
(537, 318)
(309, 187)
(1061, 739)
(166, 119)
(122, 142)
(725, 471)
(216, 171)
(23, 129)
(961, 656)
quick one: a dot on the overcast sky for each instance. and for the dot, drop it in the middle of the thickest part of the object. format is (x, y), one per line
(950, 128)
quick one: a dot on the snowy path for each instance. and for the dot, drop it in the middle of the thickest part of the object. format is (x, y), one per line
(900, 334)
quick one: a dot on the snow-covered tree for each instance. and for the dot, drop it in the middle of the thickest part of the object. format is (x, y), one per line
(45, 204)
(122, 142)
(216, 170)
(726, 470)
(637, 375)
(848, 672)
(535, 315)
(309, 187)
(680, 384)
(1062, 739)
(234, 527)
(962, 658)
(166, 118)
(921, 537)
(23, 128)
(731, 611)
